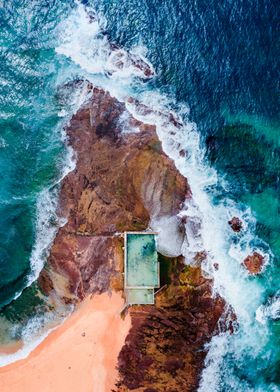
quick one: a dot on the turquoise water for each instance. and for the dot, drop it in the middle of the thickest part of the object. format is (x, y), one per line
(219, 59)
(32, 153)
(30, 144)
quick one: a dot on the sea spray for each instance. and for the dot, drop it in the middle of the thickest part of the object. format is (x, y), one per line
(83, 40)
(270, 310)
(210, 231)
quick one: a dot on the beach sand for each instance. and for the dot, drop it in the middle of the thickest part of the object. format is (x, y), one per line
(80, 355)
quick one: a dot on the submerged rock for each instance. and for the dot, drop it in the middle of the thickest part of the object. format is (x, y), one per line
(123, 61)
(254, 263)
(236, 224)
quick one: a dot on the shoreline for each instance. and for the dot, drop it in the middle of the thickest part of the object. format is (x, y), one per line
(80, 353)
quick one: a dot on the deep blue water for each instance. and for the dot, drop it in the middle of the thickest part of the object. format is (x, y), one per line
(219, 58)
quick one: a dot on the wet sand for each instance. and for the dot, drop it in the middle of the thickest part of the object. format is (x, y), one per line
(80, 355)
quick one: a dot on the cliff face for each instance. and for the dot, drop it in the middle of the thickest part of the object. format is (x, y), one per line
(122, 180)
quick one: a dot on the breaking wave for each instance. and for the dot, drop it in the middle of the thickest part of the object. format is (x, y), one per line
(270, 310)
(35, 331)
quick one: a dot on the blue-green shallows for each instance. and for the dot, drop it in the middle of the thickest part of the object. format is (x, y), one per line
(141, 261)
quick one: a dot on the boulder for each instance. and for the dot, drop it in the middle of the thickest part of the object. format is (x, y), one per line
(236, 224)
(254, 263)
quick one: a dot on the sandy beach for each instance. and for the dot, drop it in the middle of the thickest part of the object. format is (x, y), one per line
(80, 355)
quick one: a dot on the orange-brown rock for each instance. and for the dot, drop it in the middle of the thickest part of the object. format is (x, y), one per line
(164, 348)
(254, 263)
(121, 180)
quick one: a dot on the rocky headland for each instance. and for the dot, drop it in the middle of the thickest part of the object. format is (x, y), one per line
(122, 181)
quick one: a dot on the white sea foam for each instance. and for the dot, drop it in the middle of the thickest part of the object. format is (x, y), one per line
(270, 310)
(213, 363)
(22, 353)
(47, 221)
(83, 41)
(207, 224)
(224, 357)
(207, 229)
(35, 331)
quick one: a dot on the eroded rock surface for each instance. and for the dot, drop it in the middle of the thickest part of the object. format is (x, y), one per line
(254, 263)
(122, 181)
(164, 349)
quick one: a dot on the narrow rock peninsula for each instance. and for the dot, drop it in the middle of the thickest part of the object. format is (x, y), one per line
(122, 181)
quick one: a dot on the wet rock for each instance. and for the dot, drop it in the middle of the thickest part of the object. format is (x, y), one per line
(121, 60)
(200, 257)
(182, 153)
(236, 224)
(45, 282)
(254, 263)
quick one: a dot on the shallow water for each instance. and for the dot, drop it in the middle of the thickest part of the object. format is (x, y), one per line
(217, 66)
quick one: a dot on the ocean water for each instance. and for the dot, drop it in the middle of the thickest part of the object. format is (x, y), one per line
(217, 69)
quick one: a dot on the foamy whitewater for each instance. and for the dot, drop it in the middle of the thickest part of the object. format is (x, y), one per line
(47, 221)
(81, 40)
(47, 225)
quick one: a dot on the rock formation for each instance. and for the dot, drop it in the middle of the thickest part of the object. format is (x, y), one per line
(122, 180)
(254, 263)
(236, 224)
(164, 348)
